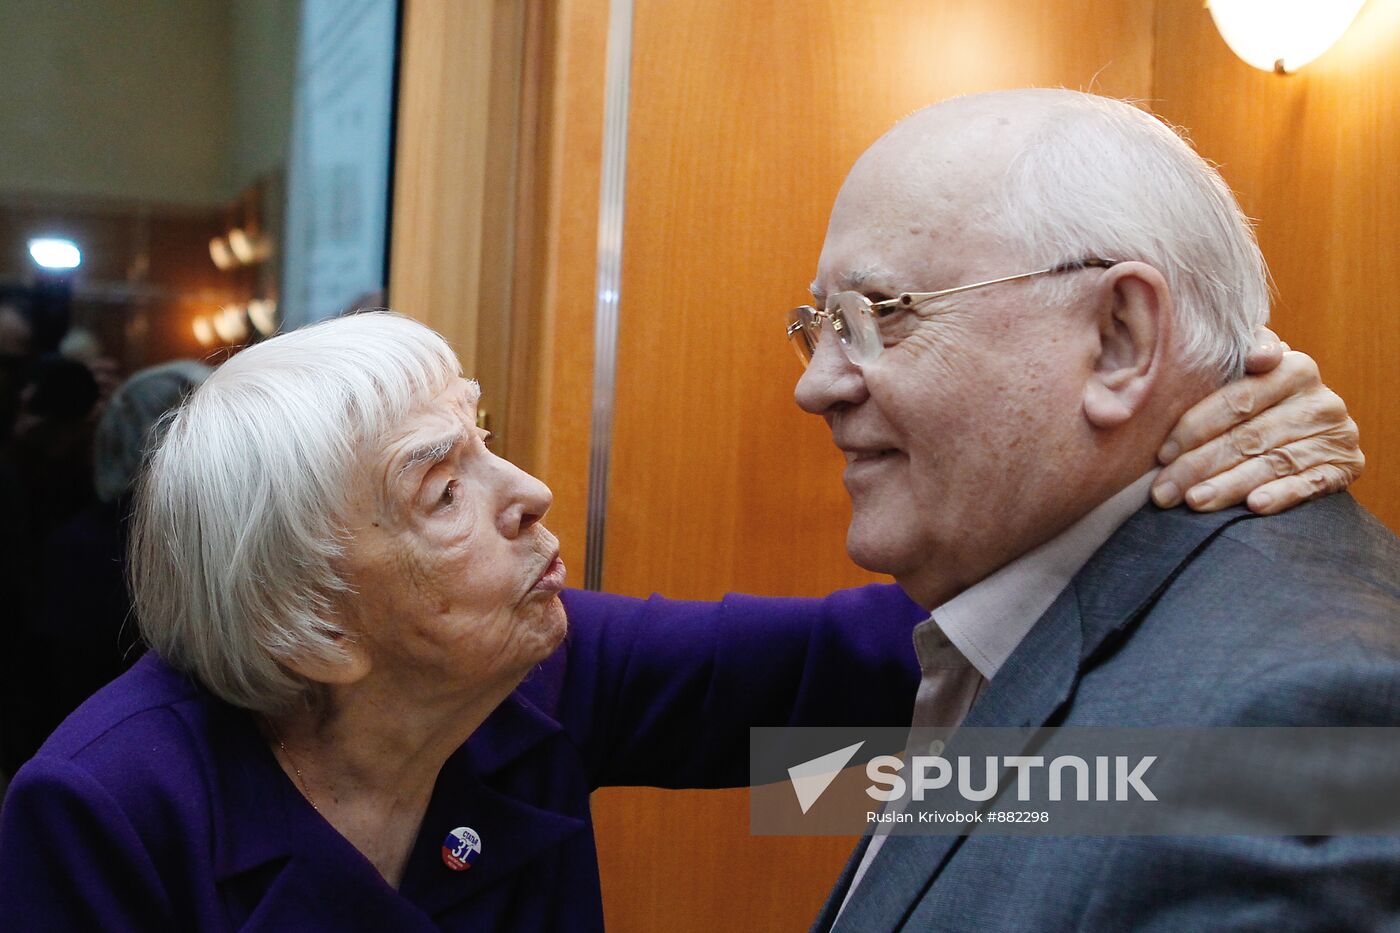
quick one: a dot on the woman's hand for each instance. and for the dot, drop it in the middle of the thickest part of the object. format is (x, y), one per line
(1278, 436)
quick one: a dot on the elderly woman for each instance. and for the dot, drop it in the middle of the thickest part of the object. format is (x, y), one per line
(361, 710)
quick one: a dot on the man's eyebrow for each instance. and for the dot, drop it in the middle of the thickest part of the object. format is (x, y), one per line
(849, 282)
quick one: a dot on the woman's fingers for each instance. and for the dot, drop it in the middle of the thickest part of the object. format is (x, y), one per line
(1283, 476)
(1274, 439)
(1321, 480)
(1239, 401)
(1266, 353)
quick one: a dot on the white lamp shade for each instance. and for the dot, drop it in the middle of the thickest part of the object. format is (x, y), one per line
(1282, 35)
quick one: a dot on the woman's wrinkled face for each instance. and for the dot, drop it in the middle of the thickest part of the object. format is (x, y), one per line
(455, 579)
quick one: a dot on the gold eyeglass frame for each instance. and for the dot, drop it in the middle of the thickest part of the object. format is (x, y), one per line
(811, 328)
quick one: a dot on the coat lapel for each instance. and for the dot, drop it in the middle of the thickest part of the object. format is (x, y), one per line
(498, 786)
(278, 864)
(1087, 620)
(275, 854)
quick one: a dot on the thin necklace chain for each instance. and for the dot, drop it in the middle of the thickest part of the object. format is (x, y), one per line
(301, 778)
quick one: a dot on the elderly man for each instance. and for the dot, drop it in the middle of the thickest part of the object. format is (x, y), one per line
(1022, 292)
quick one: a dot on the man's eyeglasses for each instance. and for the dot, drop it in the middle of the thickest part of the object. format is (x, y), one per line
(856, 320)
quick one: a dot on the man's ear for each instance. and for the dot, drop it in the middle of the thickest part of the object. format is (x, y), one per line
(1134, 326)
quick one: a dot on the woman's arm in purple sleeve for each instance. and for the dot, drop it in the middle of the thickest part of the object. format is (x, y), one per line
(662, 692)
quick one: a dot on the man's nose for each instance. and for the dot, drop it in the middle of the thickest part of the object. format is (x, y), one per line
(831, 379)
(527, 502)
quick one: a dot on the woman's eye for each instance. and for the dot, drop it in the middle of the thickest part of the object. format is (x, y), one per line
(449, 493)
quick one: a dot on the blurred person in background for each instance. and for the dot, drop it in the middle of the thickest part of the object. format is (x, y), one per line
(81, 630)
(83, 346)
(16, 343)
(53, 442)
(48, 480)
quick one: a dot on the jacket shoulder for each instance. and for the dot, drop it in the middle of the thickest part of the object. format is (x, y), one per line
(1282, 620)
(143, 739)
(1332, 540)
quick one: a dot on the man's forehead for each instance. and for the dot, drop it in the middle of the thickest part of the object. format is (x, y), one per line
(849, 280)
(942, 155)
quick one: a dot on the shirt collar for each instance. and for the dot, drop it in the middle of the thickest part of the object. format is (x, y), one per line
(988, 620)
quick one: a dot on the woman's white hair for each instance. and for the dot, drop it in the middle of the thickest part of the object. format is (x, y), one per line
(236, 528)
(1104, 178)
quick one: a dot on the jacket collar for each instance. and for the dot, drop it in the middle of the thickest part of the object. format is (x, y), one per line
(265, 833)
(498, 786)
(1087, 620)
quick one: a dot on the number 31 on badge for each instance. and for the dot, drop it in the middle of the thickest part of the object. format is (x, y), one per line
(461, 848)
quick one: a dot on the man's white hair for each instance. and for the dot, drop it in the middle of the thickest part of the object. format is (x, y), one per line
(237, 522)
(1104, 178)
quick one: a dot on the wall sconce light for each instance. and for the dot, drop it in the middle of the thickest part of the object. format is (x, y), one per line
(231, 324)
(222, 254)
(1282, 35)
(204, 332)
(237, 248)
(248, 247)
(263, 313)
(241, 244)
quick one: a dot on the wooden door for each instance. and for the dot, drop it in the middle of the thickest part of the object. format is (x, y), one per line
(745, 117)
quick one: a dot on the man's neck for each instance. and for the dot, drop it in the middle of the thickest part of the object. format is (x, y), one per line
(987, 621)
(1018, 529)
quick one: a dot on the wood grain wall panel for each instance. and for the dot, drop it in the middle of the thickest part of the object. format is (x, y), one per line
(440, 167)
(746, 114)
(570, 41)
(1312, 157)
(496, 214)
(458, 132)
(745, 118)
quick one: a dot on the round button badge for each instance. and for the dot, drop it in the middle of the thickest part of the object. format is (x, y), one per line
(461, 848)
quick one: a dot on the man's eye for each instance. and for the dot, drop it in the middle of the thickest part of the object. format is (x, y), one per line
(897, 325)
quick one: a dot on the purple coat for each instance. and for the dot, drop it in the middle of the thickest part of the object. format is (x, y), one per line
(156, 806)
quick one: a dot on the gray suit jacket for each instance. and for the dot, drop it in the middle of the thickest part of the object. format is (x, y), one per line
(1225, 619)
